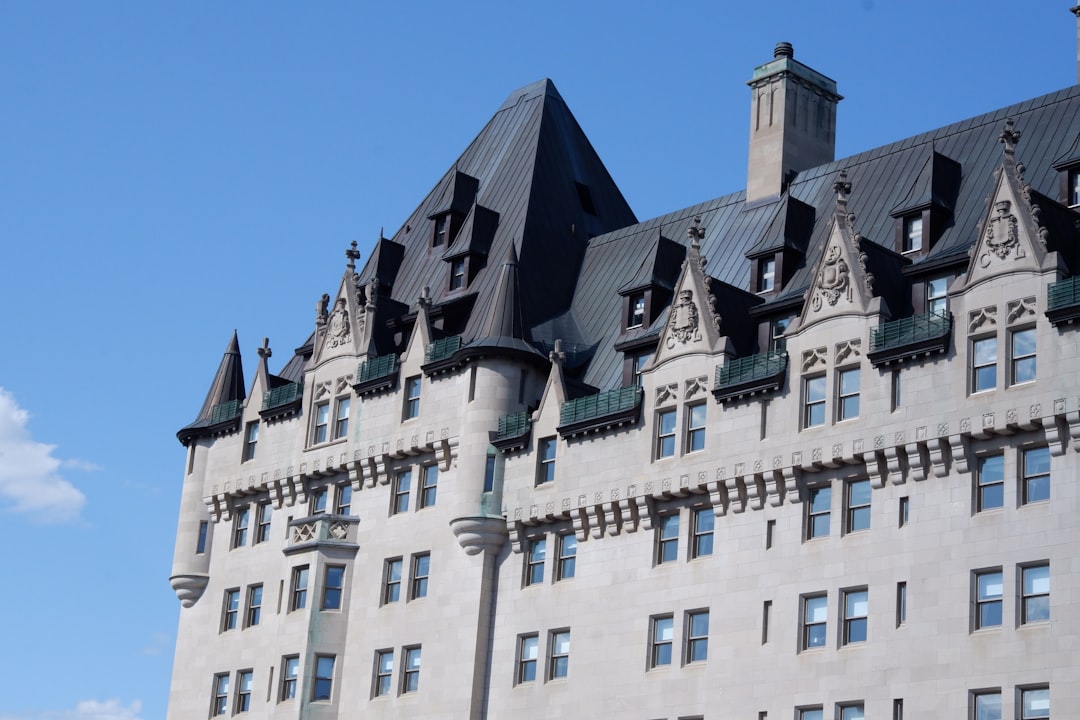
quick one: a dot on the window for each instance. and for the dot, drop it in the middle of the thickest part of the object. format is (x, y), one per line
(665, 433)
(990, 483)
(637, 311)
(410, 679)
(457, 273)
(534, 561)
(402, 482)
(251, 439)
(317, 504)
(429, 483)
(421, 567)
(983, 364)
(489, 470)
(322, 423)
(898, 709)
(851, 711)
(766, 611)
(290, 670)
(988, 587)
(231, 611)
(1036, 471)
(703, 521)
(528, 651)
(912, 234)
(814, 621)
(858, 505)
(1022, 350)
(937, 295)
(412, 397)
(341, 418)
(567, 564)
(545, 468)
(200, 544)
(442, 224)
(901, 603)
(661, 637)
(855, 611)
(384, 670)
(298, 601)
(848, 400)
(897, 391)
(766, 274)
(240, 527)
(262, 530)
(559, 654)
(322, 684)
(987, 705)
(220, 703)
(1074, 188)
(253, 614)
(640, 361)
(810, 713)
(904, 510)
(1034, 703)
(817, 512)
(243, 691)
(695, 427)
(1035, 594)
(777, 328)
(697, 636)
(333, 586)
(667, 539)
(344, 499)
(814, 401)
(391, 581)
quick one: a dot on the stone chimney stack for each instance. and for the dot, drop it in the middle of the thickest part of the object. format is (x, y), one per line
(1076, 11)
(792, 122)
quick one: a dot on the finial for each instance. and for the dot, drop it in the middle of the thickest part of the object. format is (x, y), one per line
(353, 255)
(425, 298)
(557, 356)
(696, 233)
(783, 49)
(265, 351)
(842, 188)
(1009, 137)
(321, 309)
(381, 236)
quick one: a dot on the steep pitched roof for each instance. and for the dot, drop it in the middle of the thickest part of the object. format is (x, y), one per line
(224, 398)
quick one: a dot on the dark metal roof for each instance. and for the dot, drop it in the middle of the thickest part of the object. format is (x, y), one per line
(226, 390)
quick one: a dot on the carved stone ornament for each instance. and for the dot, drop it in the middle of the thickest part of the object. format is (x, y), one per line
(847, 349)
(683, 326)
(320, 309)
(1019, 309)
(983, 316)
(1001, 231)
(834, 279)
(813, 358)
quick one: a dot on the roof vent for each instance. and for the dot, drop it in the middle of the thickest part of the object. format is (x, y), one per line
(783, 49)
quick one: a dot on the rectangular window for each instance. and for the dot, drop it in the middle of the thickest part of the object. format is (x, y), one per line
(766, 611)
(240, 527)
(637, 311)
(988, 593)
(489, 470)
(298, 600)
(262, 530)
(200, 544)
(904, 510)
(986, 705)
(1022, 354)
(1074, 188)
(219, 705)
(777, 328)
(317, 504)
(341, 418)
(402, 483)
(695, 427)
(290, 671)
(901, 603)
(1034, 703)
(813, 713)
(384, 671)
(858, 505)
(545, 467)
(937, 295)
(851, 711)
(429, 484)
(421, 567)
(391, 581)
(243, 691)
(1036, 471)
(1034, 594)
(640, 361)
(344, 499)
(665, 434)
(322, 423)
(457, 273)
(567, 564)
(253, 613)
(661, 637)
(697, 636)
(558, 654)
(983, 364)
(814, 401)
(333, 586)
(667, 539)
(528, 652)
(412, 397)
(322, 684)
(896, 389)
(818, 512)
(912, 233)
(536, 551)
(855, 612)
(898, 709)
(704, 521)
(815, 616)
(442, 224)
(410, 677)
(770, 528)
(847, 406)
(231, 611)
(990, 483)
(251, 440)
(766, 274)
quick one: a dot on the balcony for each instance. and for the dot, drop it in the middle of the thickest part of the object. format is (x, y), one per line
(225, 411)
(513, 433)
(602, 411)
(375, 374)
(910, 337)
(325, 531)
(282, 401)
(751, 375)
(442, 349)
(1063, 301)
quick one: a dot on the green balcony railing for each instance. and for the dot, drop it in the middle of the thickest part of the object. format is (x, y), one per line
(599, 405)
(1063, 294)
(282, 395)
(751, 368)
(910, 330)
(443, 348)
(377, 367)
(225, 411)
(513, 425)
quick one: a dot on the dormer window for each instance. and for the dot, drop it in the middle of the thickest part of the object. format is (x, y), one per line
(1074, 188)
(637, 311)
(766, 275)
(913, 234)
(457, 273)
(442, 229)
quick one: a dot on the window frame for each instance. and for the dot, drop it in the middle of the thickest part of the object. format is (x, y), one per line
(1027, 614)
(979, 383)
(528, 657)
(317, 500)
(253, 605)
(219, 695)
(298, 588)
(696, 638)
(813, 633)
(333, 595)
(241, 521)
(702, 539)
(989, 694)
(935, 297)
(399, 499)
(566, 564)
(989, 493)
(901, 603)
(1033, 475)
(636, 310)
(1072, 189)
(290, 676)
(383, 681)
(320, 422)
(558, 661)
(547, 452)
(535, 558)
(251, 440)
(413, 387)
(845, 396)
(695, 429)
(1022, 705)
(263, 515)
(847, 710)
(813, 516)
(343, 499)
(391, 581)
(777, 328)
(666, 434)
(661, 640)
(230, 610)
(419, 574)
(912, 230)
(410, 675)
(1019, 359)
(766, 275)
(815, 402)
(322, 679)
(855, 626)
(244, 682)
(667, 539)
(429, 486)
(458, 269)
(812, 712)
(985, 604)
(857, 515)
(341, 424)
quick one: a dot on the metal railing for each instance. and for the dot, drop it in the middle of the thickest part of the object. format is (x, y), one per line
(443, 348)
(377, 367)
(1063, 294)
(513, 425)
(225, 411)
(282, 395)
(599, 405)
(909, 330)
(750, 368)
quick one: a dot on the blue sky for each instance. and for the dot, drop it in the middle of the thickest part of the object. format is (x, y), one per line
(172, 171)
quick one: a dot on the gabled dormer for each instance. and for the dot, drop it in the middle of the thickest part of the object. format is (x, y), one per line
(781, 249)
(646, 295)
(927, 209)
(468, 252)
(1068, 167)
(447, 220)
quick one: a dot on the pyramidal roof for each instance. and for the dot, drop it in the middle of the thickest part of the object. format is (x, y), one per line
(224, 398)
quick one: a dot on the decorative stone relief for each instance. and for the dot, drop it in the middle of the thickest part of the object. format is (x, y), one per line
(812, 358)
(683, 325)
(695, 385)
(983, 317)
(848, 349)
(665, 393)
(916, 467)
(1002, 237)
(1019, 309)
(833, 281)
(323, 389)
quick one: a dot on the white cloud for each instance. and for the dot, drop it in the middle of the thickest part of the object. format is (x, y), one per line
(88, 710)
(28, 471)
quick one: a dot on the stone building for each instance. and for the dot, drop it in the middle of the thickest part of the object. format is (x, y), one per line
(796, 452)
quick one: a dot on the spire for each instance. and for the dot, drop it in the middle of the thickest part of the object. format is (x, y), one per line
(505, 319)
(228, 382)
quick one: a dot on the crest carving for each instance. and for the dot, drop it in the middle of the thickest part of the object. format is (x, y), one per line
(339, 330)
(1001, 232)
(684, 321)
(834, 279)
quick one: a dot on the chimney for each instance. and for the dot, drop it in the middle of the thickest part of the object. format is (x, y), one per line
(1076, 11)
(792, 122)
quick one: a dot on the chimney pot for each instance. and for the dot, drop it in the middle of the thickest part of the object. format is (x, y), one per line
(783, 49)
